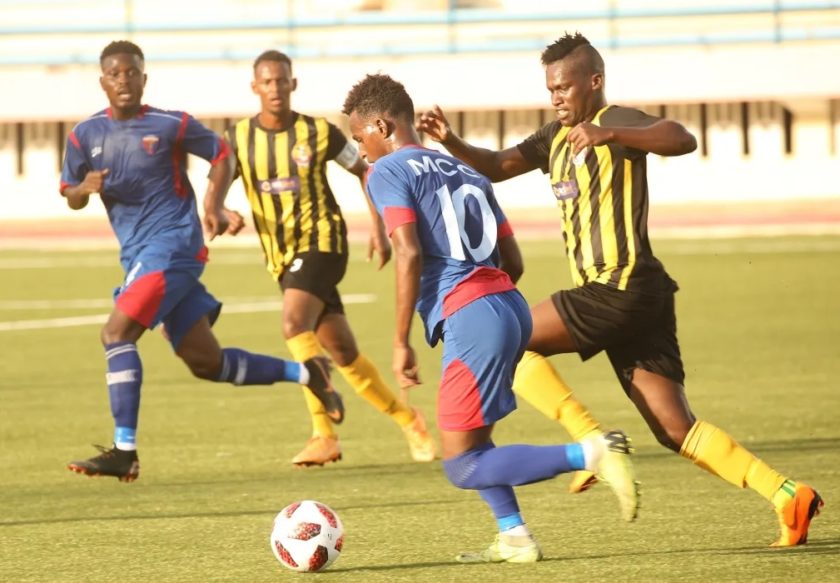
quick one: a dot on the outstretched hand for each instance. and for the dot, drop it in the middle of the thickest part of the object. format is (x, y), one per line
(434, 124)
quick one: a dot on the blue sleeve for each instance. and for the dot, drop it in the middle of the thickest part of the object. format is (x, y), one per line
(197, 139)
(75, 166)
(392, 197)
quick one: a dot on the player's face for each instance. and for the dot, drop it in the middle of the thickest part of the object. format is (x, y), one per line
(573, 91)
(372, 136)
(123, 81)
(274, 83)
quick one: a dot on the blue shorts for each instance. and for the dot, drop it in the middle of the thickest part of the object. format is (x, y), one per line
(482, 344)
(162, 287)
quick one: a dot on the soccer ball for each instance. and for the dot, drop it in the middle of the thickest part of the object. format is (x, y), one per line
(307, 536)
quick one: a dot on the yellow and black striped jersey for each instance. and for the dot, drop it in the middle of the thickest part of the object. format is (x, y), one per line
(603, 194)
(285, 178)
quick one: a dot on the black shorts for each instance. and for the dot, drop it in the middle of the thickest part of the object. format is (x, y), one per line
(636, 330)
(319, 274)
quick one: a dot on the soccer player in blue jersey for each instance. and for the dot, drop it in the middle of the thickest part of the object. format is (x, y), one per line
(134, 156)
(453, 250)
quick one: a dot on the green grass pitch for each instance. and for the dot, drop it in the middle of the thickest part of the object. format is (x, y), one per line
(760, 331)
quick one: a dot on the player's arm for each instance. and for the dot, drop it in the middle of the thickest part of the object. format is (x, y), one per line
(78, 195)
(347, 156)
(510, 258)
(378, 242)
(217, 219)
(408, 258)
(664, 137)
(496, 165)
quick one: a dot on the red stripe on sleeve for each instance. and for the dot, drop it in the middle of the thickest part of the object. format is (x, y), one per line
(396, 216)
(178, 156)
(504, 230)
(64, 186)
(224, 152)
(74, 140)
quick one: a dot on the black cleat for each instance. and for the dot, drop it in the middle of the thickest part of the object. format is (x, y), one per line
(321, 387)
(118, 463)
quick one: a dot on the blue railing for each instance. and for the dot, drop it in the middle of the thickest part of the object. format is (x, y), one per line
(450, 23)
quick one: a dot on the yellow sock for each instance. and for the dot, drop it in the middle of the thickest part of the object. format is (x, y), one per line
(364, 377)
(715, 451)
(303, 347)
(538, 383)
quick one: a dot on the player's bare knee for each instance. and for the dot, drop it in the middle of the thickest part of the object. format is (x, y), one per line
(200, 366)
(343, 355)
(293, 327)
(109, 335)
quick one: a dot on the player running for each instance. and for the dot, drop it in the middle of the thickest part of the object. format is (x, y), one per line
(623, 302)
(453, 246)
(281, 156)
(134, 156)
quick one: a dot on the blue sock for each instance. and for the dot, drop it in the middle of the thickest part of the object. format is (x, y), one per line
(246, 368)
(502, 501)
(124, 378)
(512, 465)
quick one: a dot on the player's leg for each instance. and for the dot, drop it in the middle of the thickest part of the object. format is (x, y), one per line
(483, 342)
(133, 314)
(657, 391)
(301, 313)
(337, 338)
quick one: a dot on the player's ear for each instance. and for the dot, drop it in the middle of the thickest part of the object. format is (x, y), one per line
(597, 81)
(385, 128)
(294, 83)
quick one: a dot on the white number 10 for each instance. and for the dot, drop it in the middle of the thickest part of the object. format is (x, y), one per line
(453, 209)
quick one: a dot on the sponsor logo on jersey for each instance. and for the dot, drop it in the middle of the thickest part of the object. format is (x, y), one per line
(565, 190)
(278, 185)
(302, 154)
(297, 263)
(95, 151)
(150, 144)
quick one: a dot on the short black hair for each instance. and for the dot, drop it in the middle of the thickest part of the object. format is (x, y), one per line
(274, 57)
(379, 94)
(576, 44)
(121, 47)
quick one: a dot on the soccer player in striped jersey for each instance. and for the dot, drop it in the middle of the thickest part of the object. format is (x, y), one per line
(281, 156)
(455, 252)
(134, 157)
(623, 301)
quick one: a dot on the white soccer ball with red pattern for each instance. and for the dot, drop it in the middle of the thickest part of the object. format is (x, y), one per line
(307, 536)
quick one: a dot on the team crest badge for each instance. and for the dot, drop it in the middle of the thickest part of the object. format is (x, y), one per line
(150, 144)
(302, 154)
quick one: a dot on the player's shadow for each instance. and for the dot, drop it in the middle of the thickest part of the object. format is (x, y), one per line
(264, 512)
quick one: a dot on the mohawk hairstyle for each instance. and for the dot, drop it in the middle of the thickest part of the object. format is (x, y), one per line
(121, 47)
(379, 94)
(274, 57)
(563, 47)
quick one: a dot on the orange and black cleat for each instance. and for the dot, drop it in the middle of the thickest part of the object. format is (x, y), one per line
(118, 463)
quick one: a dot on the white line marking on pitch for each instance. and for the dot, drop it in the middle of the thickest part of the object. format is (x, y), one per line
(247, 307)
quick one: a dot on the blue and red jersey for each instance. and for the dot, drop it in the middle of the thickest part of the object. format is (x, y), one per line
(458, 221)
(146, 192)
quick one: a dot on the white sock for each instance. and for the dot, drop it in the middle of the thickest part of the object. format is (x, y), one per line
(520, 530)
(593, 451)
(304, 375)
